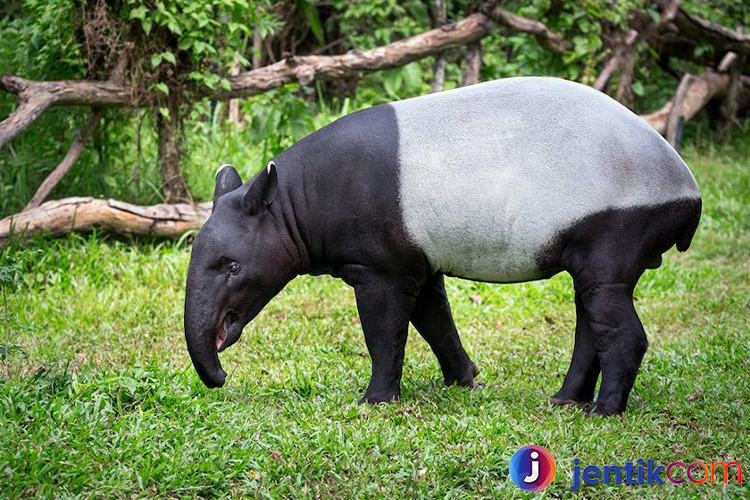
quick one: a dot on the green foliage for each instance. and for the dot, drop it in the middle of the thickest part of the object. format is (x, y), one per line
(188, 41)
(41, 41)
(107, 404)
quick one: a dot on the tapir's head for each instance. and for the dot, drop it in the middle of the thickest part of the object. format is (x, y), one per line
(238, 264)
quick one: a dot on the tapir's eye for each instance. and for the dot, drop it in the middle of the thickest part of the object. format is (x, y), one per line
(234, 268)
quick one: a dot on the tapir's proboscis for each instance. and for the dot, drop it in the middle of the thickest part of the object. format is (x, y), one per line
(506, 181)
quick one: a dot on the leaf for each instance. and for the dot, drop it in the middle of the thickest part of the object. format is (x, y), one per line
(174, 28)
(139, 13)
(638, 89)
(313, 18)
(163, 87)
(164, 112)
(110, 181)
(185, 43)
(155, 60)
(169, 56)
(225, 84)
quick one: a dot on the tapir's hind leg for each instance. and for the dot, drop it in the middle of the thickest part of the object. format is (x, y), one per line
(619, 339)
(580, 381)
(606, 253)
(433, 320)
(605, 274)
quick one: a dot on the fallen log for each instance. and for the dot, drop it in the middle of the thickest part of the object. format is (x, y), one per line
(83, 214)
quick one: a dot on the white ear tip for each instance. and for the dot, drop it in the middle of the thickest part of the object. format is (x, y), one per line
(270, 164)
(222, 168)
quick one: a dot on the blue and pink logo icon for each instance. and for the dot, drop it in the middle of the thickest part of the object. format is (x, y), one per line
(532, 468)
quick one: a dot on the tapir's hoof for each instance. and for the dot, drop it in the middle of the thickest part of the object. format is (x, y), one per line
(464, 381)
(562, 400)
(600, 410)
(377, 400)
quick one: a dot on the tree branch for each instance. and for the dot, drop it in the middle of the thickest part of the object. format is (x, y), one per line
(305, 69)
(554, 42)
(35, 97)
(722, 38)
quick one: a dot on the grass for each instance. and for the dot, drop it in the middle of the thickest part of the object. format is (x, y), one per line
(103, 402)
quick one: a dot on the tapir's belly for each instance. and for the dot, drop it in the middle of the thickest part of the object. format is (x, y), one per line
(490, 175)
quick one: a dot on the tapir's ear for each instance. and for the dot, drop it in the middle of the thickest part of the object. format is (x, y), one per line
(227, 180)
(262, 191)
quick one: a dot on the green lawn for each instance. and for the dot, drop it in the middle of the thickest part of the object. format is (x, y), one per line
(103, 401)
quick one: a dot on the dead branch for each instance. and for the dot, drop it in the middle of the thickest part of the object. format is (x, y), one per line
(554, 42)
(305, 69)
(83, 214)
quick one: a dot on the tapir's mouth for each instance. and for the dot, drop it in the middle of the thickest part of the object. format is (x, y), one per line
(229, 331)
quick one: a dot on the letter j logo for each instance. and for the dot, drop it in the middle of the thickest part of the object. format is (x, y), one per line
(532, 468)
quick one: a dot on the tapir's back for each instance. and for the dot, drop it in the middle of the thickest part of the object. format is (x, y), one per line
(491, 174)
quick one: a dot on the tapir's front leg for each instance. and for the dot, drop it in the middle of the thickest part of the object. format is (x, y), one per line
(385, 304)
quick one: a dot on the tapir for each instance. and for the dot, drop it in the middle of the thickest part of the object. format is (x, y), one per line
(506, 181)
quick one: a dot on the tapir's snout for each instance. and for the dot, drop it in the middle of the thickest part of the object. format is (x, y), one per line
(205, 357)
(201, 336)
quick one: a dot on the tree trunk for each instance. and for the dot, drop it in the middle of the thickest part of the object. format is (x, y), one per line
(472, 64)
(257, 47)
(173, 185)
(439, 18)
(234, 104)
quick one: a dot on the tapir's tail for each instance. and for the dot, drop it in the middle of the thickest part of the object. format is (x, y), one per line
(693, 216)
